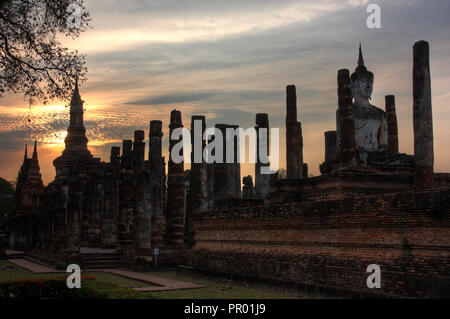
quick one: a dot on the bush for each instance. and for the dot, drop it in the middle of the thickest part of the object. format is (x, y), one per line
(48, 288)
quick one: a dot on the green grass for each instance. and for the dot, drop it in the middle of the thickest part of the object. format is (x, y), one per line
(13, 272)
(218, 289)
(117, 287)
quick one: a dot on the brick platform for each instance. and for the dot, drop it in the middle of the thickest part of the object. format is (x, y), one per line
(328, 244)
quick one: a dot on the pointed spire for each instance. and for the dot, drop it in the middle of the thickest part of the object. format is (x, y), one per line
(35, 150)
(361, 68)
(26, 152)
(76, 102)
(360, 58)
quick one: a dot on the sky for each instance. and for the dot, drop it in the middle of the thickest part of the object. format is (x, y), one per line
(229, 60)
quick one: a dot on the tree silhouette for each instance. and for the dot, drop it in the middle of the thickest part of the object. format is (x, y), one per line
(32, 60)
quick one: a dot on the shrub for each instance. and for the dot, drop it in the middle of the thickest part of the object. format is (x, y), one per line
(48, 288)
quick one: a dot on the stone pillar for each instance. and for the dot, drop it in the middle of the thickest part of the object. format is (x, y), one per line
(248, 191)
(346, 119)
(143, 212)
(423, 117)
(392, 128)
(176, 191)
(330, 146)
(156, 180)
(292, 135)
(111, 200)
(262, 187)
(305, 171)
(164, 199)
(210, 181)
(301, 165)
(236, 166)
(225, 173)
(115, 156)
(198, 186)
(139, 150)
(127, 195)
(127, 154)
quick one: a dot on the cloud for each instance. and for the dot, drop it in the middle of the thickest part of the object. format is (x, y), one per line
(121, 24)
(215, 97)
(173, 98)
(229, 60)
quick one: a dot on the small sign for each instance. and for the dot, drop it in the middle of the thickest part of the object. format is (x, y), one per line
(156, 251)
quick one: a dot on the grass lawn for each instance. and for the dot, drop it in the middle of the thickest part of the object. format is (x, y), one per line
(219, 289)
(117, 287)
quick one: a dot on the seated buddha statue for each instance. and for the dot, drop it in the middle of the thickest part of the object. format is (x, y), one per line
(370, 121)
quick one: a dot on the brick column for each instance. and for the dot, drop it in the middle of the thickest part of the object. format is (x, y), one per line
(346, 119)
(294, 161)
(225, 174)
(210, 181)
(127, 195)
(423, 117)
(198, 192)
(143, 210)
(156, 180)
(392, 124)
(330, 146)
(262, 187)
(302, 167)
(139, 150)
(176, 190)
(111, 199)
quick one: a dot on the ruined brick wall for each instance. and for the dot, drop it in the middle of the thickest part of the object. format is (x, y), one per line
(327, 245)
(441, 180)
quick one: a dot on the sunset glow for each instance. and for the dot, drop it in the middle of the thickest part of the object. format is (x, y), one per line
(228, 63)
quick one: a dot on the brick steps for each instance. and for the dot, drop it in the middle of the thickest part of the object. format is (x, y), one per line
(42, 260)
(100, 260)
(38, 261)
(14, 254)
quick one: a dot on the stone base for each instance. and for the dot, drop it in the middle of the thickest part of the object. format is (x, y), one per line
(423, 177)
(328, 244)
(366, 180)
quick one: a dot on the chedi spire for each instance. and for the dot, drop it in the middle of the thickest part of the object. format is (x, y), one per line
(360, 58)
(35, 156)
(361, 69)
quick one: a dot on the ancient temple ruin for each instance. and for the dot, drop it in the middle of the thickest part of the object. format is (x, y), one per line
(370, 205)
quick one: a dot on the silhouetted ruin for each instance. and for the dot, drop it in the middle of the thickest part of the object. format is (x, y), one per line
(370, 205)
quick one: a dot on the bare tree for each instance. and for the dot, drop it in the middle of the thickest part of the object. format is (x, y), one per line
(32, 60)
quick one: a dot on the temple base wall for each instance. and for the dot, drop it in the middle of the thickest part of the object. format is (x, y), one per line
(328, 245)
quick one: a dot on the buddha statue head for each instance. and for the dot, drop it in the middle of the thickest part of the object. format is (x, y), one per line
(362, 83)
